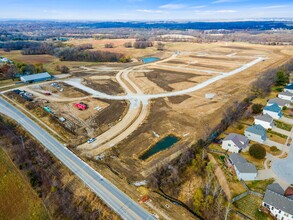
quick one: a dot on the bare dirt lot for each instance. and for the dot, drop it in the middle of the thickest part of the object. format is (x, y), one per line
(106, 85)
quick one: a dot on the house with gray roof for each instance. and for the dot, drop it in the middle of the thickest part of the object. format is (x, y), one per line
(36, 77)
(244, 170)
(256, 133)
(264, 120)
(235, 143)
(280, 102)
(279, 206)
(286, 96)
(273, 110)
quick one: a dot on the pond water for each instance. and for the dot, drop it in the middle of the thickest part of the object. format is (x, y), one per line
(160, 146)
(149, 59)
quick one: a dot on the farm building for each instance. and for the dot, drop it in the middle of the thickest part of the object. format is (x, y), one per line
(235, 143)
(244, 170)
(36, 77)
(256, 133)
(264, 120)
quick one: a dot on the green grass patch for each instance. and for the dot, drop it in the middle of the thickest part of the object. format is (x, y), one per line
(249, 206)
(18, 199)
(278, 134)
(283, 125)
(259, 185)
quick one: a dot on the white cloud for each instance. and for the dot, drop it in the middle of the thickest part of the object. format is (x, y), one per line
(276, 6)
(198, 6)
(173, 6)
(149, 11)
(214, 11)
(224, 1)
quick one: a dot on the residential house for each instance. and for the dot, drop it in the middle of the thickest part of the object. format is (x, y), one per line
(36, 77)
(279, 205)
(286, 96)
(289, 88)
(243, 169)
(264, 120)
(280, 102)
(235, 143)
(256, 133)
(273, 110)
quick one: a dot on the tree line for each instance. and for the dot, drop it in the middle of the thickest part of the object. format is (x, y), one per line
(74, 53)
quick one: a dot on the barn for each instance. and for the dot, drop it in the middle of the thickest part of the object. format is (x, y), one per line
(39, 77)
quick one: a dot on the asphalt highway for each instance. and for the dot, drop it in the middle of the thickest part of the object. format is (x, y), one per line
(111, 195)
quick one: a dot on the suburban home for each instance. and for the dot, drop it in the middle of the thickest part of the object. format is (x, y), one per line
(280, 102)
(264, 120)
(286, 96)
(243, 169)
(289, 88)
(273, 110)
(36, 77)
(235, 143)
(277, 204)
(256, 133)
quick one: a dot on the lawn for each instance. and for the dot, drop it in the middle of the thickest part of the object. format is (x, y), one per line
(249, 206)
(277, 137)
(259, 163)
(259, 185)
(283, 125)
(18, 199)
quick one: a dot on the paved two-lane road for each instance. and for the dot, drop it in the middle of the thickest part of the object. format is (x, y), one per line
(111, 195)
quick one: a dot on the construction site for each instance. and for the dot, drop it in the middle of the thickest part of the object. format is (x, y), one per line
(136, 117)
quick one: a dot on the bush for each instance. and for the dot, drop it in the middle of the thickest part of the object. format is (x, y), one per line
(240, 126)
(257, 151)
(284, 108)
(256, 108)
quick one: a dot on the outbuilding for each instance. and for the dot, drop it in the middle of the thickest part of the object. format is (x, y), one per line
(39, 77)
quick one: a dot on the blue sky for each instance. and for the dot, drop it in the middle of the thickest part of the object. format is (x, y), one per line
(145, 9)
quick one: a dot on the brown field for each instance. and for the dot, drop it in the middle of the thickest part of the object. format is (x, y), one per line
(18, 199)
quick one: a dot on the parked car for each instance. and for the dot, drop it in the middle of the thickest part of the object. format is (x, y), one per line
(91, 140)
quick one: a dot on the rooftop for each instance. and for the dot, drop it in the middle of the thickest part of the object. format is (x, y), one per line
(286, 93)
(257, 129)
(278, 101)
(241, 164)
(240, 140)
(273, 108)
(274, 196)
(36, 76)
(265, 117)
(290, 86)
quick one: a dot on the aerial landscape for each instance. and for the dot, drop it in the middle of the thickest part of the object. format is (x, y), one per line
(135, 109)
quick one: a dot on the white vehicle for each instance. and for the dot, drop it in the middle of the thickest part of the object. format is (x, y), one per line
(91, 140)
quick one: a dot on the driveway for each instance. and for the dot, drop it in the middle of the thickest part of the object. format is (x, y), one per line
(286, 120)
(283, 168)
(281, 131)
(271, 143)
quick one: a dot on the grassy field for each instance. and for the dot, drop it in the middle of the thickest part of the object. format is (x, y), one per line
(259, 185)
(249, 206)
(18, 200)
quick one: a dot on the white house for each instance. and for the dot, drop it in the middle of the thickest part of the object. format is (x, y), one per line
(279, 205)
(273, 110)
(289, 88)
(235, 143)
(264, 120)
(280, 102)
(243, 169)
(286, 96)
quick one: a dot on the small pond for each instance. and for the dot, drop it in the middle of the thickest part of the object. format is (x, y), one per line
(149, 59)
(160, 146)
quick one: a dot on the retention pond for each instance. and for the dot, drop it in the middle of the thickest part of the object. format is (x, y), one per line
(163, 144)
